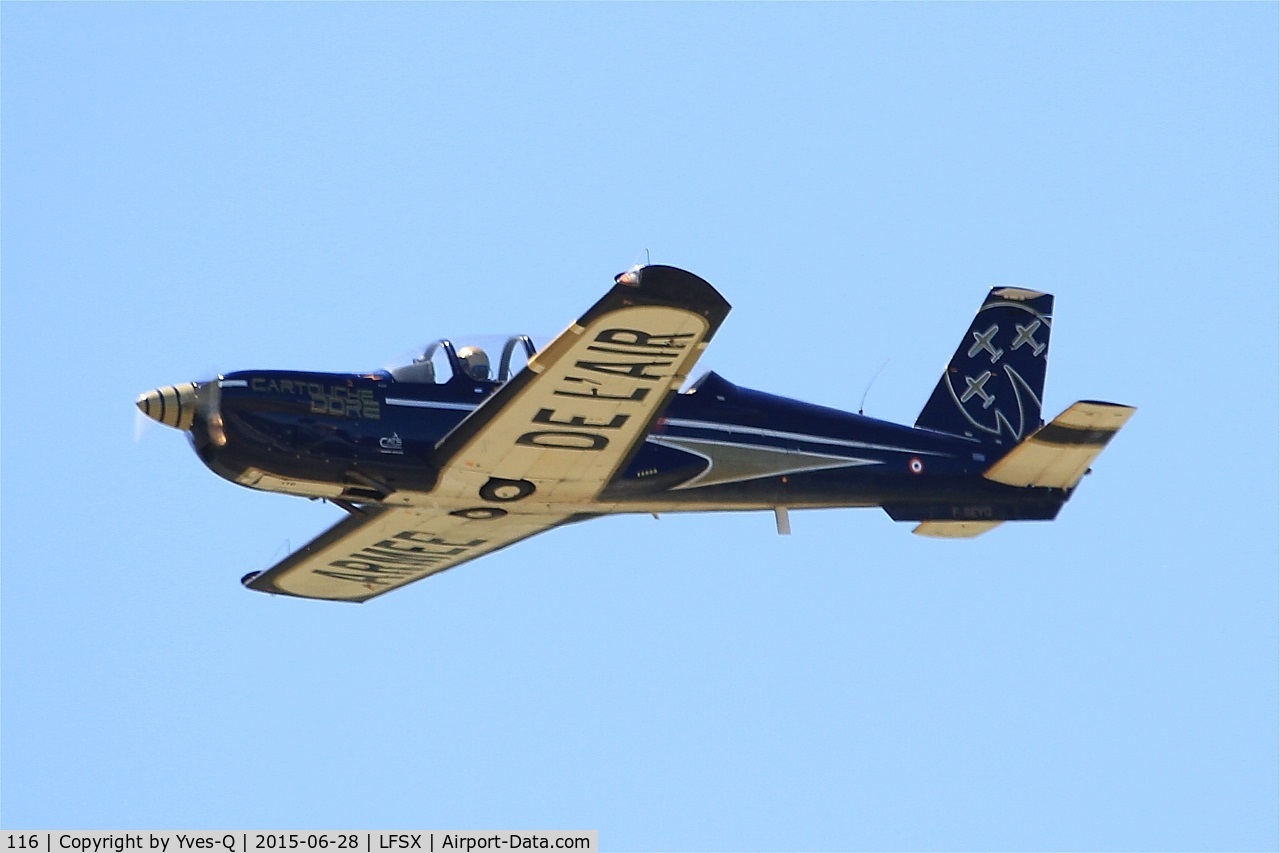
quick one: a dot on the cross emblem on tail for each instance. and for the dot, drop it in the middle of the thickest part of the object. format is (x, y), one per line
(1025, 336)
(983, 342)
(975, 387)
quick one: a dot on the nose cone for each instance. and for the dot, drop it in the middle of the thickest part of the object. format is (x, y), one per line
(172, 405)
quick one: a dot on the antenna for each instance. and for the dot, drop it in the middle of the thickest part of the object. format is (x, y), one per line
(862, 403)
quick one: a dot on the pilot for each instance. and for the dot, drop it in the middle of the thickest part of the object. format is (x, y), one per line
(475, 362)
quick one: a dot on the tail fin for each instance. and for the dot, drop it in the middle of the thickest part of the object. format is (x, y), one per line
(991, 390)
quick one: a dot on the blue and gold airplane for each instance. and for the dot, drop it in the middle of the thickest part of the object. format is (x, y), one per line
(452, 457)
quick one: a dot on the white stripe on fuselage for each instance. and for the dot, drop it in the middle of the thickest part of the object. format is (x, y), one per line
(797, 436)
(429, 404)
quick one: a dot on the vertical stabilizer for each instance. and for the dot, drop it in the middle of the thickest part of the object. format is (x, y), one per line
(991, 390)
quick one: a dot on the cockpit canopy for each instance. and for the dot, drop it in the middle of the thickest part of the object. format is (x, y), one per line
(473, 361)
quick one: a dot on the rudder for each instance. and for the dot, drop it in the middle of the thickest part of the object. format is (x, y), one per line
(993, 386)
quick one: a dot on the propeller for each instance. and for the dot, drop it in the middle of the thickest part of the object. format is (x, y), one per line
(141, 425)
(209, 398)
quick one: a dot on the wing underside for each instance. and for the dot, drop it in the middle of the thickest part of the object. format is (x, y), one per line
(379, 550)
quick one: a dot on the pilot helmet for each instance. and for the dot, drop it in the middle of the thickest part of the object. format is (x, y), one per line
(475, 362)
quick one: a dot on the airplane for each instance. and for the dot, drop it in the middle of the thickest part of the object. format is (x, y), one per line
(446, 459)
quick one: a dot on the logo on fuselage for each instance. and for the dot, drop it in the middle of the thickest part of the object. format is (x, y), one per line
(339, 401)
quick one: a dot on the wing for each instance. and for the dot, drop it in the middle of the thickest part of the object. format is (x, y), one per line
(560, 430)
(378, 550)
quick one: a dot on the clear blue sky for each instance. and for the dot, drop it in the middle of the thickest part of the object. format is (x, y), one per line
(194, 188)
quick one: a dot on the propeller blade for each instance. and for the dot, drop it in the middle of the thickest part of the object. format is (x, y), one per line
(141, 425)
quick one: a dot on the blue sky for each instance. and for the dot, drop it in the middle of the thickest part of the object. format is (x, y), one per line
(212, 187)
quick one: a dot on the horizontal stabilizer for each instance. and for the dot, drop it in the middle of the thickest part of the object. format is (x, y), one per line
(954, 529)
(1058, 454)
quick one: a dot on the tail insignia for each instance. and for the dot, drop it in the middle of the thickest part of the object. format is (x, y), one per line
(996, 401)
(996, 377)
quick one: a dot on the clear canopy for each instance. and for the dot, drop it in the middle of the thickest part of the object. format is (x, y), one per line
(484, 358)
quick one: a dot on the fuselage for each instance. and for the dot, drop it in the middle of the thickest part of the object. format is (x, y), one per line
(369, 438)
(454, 456)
